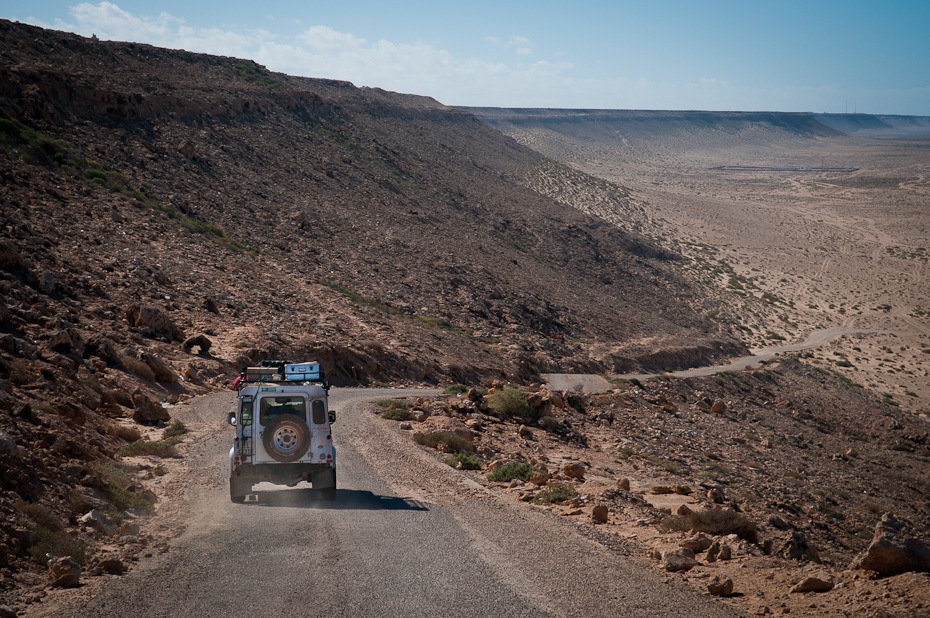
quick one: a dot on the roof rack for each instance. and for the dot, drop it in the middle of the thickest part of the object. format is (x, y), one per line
(284, 372)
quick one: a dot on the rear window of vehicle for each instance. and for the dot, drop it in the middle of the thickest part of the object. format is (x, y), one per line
(271, 407)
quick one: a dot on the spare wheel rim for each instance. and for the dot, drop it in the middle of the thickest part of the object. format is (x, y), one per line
(286, 439)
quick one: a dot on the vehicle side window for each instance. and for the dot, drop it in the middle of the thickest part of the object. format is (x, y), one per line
(245, 412)
(271, 407)
(318, 409)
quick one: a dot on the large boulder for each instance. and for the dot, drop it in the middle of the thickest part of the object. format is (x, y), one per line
(894, 549)
(162, 371)
(153, 322)
(148, 412)
(797, 547)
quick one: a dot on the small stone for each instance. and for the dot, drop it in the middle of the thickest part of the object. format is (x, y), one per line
(716, 495)
(600, 514)
(697, 543)
(680, 560)
(624, 484)
(713, 551)
(718, 407)
(574, 470)
(720, 587)
(726, 553)
(683, 510)
(129, 528)
(64, 573)
(539, 478)
(406, 426)
(815, 583)
(113, 566)
(525, 432)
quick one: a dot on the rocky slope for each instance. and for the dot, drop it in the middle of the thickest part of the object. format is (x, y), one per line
(793, 472)
(169, 217)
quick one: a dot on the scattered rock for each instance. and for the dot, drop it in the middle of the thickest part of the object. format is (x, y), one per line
(574, 470)
(113, 566)
(720, 587)
(599, 514)
(153, 322)
(163, 373)
(814, 583)
(8, 446)
(894, 549)
(797, 547)
(64, 573)
(718, 407)
(697, 543)
(129, 528)
(713, 551)
(716, 495)
(99, 522)
(624, 484)
(198, 341)
(148, 412)
(187, 149)
(539, 478)
(525, 432)
(725, 553)
(680, 560)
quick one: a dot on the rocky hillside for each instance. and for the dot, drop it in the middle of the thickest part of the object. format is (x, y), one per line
(169, 217)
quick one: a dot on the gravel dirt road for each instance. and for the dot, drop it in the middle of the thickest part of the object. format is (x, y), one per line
(407, 536)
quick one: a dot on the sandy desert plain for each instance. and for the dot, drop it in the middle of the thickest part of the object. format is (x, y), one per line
(793, 252)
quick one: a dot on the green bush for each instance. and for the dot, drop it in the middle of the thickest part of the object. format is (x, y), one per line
(447, 441)
(512, 470)
(395, 410)
(155, 448)
(455, 389)
(120, 487)
(50, 539)
(176, 429)
(556, 494)
(397, 414)
(463, 462)
(511, 402)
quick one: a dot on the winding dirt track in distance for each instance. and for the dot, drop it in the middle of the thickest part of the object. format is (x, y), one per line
(593, 383)
(407, 536)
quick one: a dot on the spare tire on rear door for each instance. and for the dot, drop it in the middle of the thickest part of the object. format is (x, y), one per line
(286, 438)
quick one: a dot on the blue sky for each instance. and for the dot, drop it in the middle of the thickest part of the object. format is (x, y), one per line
(813, 55)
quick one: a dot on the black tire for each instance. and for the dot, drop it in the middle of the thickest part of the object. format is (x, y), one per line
(328, 482)
(286, 438)
(238, 490)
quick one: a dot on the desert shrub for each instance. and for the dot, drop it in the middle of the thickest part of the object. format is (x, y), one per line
(714, 521)
(176, 429)
(397, 414)
(50, 539)
(155, 448)
(512, 470)
(447, 441)
(120, 487)
(511, 402)
(395, 410)
(555, 494)
(455, 389)
(463, 462)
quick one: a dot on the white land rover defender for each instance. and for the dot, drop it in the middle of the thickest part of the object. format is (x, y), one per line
(283, 431)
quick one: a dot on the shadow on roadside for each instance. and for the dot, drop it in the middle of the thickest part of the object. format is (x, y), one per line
(346, 499)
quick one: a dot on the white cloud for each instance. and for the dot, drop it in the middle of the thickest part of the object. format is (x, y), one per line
(325, 39)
